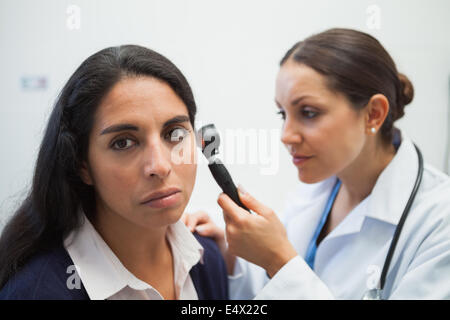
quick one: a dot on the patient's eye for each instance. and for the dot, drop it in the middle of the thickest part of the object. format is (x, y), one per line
(177, 134)
(123, 144)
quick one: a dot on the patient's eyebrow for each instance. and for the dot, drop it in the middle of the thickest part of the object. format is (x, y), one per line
(177, 119)
(118, 128)
(127, 126)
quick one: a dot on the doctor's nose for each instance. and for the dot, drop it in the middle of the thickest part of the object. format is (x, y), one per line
(290, 135)
(157, 162)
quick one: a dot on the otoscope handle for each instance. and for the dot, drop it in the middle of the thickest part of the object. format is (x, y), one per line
(223, 179)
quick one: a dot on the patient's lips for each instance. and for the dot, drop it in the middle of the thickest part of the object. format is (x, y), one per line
(163, 198)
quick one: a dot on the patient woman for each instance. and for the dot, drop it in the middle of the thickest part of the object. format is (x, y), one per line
(114, 174)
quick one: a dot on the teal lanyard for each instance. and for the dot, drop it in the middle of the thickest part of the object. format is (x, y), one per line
(312, 248)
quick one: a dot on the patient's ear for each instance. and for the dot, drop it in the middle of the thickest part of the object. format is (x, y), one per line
(85, 174)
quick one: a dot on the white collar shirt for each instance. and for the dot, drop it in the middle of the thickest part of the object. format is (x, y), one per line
(105, 277)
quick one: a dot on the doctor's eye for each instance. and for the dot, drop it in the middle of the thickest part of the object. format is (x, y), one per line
(283, 114)
(309, 114)
(177, 134)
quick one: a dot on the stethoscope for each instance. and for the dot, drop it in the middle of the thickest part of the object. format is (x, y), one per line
(376, 293)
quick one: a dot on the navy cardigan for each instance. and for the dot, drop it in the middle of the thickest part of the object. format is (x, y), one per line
(45, 276)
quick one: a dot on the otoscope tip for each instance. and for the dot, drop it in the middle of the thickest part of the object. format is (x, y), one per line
(209, 140)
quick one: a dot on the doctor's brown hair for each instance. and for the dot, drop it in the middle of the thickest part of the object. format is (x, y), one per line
(356, 65)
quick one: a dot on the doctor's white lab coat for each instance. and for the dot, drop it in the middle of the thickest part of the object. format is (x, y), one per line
(349, 260)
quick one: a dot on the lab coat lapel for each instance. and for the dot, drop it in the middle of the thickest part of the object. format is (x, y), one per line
(394, 185)
(389, 195)
(304, 212)
(386, 202)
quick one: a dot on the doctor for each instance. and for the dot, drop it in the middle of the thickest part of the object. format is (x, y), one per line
(367, 220)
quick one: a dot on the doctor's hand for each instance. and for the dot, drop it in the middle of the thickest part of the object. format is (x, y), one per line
(202, 223)
(259, 238)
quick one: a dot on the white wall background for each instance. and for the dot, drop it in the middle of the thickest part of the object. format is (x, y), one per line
(229, 51)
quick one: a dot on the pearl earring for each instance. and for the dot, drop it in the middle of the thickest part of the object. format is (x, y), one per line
(373, 130)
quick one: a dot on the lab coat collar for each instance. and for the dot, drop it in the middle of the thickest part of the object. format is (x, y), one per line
(101, 271)
(390, 194)
(385, 203)
(394, 185)
(304, 209)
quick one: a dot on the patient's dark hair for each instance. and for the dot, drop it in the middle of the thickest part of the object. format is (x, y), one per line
(356, 65)
(50, 210)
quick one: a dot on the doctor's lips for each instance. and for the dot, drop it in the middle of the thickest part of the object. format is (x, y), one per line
(300, 159)
(163, 198)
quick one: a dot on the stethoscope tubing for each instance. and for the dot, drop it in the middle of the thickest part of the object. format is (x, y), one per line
(402, 220)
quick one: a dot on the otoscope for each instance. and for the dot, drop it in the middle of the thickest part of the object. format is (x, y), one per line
(210, 141)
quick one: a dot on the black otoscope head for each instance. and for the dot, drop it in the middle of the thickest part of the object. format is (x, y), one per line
(209, 141)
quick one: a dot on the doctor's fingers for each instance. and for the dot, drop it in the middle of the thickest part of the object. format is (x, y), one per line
(193, 220)
(231, 211)
(253, 204)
